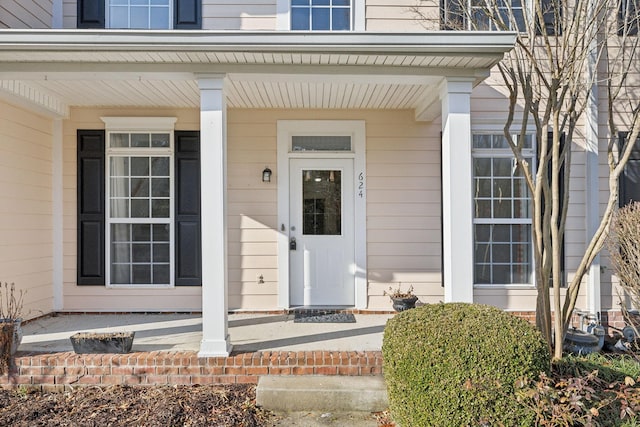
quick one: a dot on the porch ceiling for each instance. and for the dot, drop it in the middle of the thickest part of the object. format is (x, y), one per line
(58, 69)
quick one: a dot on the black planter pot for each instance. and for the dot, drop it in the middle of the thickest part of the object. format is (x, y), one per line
(109, 342)
(402, 304)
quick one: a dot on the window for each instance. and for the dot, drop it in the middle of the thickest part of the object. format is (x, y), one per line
(321, 15)
(139, 14)
(502, 223)
(139, 213)
(628, 17)
(474, 15)
(139, 205)
(629, 181)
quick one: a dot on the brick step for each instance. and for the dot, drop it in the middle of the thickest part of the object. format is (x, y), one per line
(322, 393)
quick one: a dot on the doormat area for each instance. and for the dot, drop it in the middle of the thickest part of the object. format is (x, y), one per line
(315, 317)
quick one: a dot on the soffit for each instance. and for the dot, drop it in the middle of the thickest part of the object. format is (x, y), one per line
(263, 70)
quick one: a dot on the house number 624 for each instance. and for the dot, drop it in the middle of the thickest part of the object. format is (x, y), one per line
(361, 184)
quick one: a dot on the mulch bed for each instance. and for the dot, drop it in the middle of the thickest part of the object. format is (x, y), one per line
(228, 405)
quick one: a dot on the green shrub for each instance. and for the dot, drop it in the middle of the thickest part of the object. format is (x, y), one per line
(458, 364)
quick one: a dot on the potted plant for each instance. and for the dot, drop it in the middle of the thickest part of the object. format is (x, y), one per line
(402, 300)
(10, 322)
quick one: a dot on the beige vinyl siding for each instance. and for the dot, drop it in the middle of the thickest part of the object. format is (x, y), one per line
(25, 13)
(402, 15)
(26, 235)
(101, 298)
(239, 15)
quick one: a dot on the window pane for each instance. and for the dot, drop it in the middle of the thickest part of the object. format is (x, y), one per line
(120, 274)
(501, 232)
(483, 209)
(141, 252)
(141, 274)
(141, 232)
(502, 167)
(341, 3)
(139, 187)
(139, 18)
(501, 274)
(482, 232)
(140, 166)
(160, 166)
(119, 166)
(299, 2)
(320, 19)
(482, 253)
(119, 208)
(483, 188)
(322, 211)
(321, 143)
(320, 2)
(119, 187)
(161, 232)
(161, 275)
(481, 141)
(161, 252)
(118, 17)
(140, 140)
(300, 18)
(160, 208)
(502, 188)
(160, 187)
(501, 253)
(117, 140)
(160, 140)
(159, 19)
(482, 167)
(140, 208)
(340, 19)
(502, 208)
(120, 253)
(120, 232)
(482, 274)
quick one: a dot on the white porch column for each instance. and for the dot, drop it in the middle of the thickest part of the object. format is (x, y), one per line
(213, 158)
(457, 221)
(57, 189)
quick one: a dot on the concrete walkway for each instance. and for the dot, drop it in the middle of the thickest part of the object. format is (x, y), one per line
(183, 332)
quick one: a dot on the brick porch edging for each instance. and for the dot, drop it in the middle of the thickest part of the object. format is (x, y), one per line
(59, 371)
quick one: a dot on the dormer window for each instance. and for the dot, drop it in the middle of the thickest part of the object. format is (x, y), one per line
(321, 15)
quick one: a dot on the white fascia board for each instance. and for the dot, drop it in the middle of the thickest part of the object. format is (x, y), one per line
(450, 42)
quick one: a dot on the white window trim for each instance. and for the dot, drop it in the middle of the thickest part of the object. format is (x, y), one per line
(106, 16)
(503, 152)
(283, 15)
(140, 125)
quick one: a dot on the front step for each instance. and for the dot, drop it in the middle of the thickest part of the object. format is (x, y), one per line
(322, 393)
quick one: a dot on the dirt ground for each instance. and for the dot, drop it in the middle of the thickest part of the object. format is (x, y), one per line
(228, 405)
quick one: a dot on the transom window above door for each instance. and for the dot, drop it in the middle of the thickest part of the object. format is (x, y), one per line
(139, 14)
(321, 15)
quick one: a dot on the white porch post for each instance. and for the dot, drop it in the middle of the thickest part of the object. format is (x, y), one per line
(57, 188)
(213, 158)
(457, 222)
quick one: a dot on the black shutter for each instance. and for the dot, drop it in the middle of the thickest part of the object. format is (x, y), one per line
(629, 181)
(188, 249)
(187, 15)
(91, 14)
(452, 15)
(91, 207)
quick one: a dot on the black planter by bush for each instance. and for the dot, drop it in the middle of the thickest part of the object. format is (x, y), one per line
(402, 304)
(108, 342)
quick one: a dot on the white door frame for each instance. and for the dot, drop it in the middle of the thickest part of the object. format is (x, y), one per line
(355, 128)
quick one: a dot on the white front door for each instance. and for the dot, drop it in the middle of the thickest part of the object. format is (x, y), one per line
(321, 232)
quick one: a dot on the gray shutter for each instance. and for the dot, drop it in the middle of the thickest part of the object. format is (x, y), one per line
(91, 14)
(188, 248)
(91, 207)
(187, 14)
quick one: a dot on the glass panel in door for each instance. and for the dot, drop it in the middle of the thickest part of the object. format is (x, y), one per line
(322, 202)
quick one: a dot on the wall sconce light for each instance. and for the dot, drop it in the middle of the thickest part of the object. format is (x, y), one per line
(266, 174)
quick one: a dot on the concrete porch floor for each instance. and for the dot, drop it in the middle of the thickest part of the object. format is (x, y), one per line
(183, 332)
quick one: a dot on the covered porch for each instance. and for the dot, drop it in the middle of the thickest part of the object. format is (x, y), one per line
(57, 73)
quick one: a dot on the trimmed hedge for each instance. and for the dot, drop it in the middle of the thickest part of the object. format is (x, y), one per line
(457, 364)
